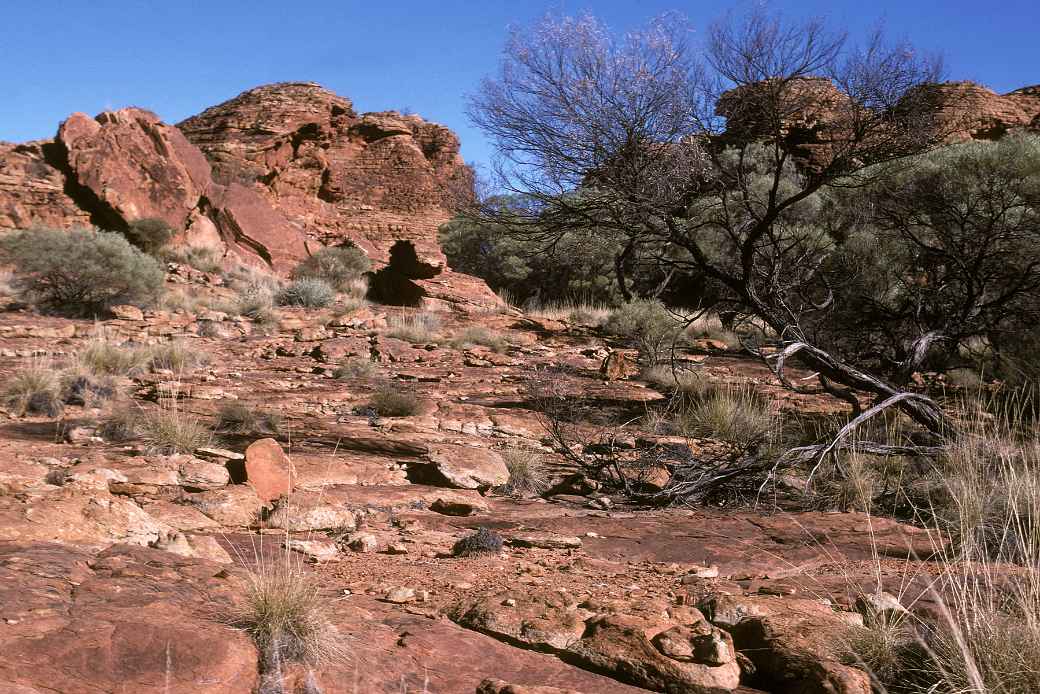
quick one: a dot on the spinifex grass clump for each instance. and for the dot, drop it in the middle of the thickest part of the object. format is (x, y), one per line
(392, 400)
(34, 390)
(244, 418)
(284, 614)
(416, 328)
(526, 473)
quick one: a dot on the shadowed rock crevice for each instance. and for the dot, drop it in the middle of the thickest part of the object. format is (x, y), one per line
(102, 214)
(394, 285)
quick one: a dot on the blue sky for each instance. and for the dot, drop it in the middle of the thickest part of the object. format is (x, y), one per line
(177, 58)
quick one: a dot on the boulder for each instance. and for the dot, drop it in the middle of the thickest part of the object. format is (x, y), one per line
(267, 469)
(612, 645)
(462, 467)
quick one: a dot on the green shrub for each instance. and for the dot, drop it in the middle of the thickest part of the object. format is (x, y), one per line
(390, 400)
(150, 234)
(307, 292)
(648, 324)
(82, 271)
(35, 389)
(340, 267)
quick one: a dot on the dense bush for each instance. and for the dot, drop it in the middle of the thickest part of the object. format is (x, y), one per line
(341, 267)
(81, 271)
(947, 252)
(307, 293)
(149, 234)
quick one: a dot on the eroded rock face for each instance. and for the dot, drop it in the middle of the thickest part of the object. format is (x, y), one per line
(372, 179)
(33, 188)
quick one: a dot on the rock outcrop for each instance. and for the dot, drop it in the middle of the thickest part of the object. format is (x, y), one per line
(127, 165)
(268, 177)
(816, 114)
(372, 179)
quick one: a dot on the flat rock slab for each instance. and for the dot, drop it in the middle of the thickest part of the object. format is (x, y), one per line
(125, 619)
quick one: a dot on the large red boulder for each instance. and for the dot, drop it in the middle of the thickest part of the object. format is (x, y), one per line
(268, 470)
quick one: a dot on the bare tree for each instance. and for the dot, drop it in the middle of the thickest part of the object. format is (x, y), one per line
(714, 168)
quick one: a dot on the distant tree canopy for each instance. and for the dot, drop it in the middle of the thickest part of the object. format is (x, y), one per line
(576, 265)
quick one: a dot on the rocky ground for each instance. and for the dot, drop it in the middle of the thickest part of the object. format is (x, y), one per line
(120, 568)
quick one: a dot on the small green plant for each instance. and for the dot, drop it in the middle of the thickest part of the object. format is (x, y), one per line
(81, 271)
(476, 335)
(150, 234)
(356, 369)
(237, 417)
(36, 390)
(526, 473)
(415, 328)
(390, 400)
(307, 293)
(339, 267)
(484, 542)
